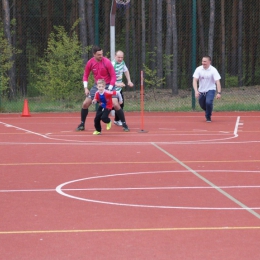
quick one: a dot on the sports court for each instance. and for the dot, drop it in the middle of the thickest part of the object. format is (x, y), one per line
(175, 187)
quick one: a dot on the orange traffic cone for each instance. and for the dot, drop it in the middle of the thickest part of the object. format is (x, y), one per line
(26, 111)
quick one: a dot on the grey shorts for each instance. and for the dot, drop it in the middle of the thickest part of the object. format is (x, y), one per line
(94, 89)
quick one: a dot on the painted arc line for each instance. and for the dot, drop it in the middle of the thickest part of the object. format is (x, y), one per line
(210, 183)
(61, 190)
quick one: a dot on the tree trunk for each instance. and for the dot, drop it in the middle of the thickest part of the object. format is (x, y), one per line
(153, 32)
(240, 39)
(90, 20)
(223, 44)
(168, 44)
(175, 50)
(83, 30)
(7, 30)
(211, 28)
(234, 34)
(22, 64)
(134, 74)
(254, 42)
(143, 32)
(201, 29)
(127, 36)
(106, 47)
(159, 40)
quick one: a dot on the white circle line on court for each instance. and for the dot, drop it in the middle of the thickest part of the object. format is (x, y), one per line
(61, 190)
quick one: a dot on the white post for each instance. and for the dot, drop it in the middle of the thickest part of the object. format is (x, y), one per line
(112, 30)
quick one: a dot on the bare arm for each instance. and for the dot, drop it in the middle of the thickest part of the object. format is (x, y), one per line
(218, 89)
(129, 82)
(195, 87)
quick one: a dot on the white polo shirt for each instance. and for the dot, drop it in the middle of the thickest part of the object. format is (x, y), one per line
(207, 78)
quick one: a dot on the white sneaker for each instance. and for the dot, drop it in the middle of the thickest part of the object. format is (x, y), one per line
(112, 113)
(119, 123)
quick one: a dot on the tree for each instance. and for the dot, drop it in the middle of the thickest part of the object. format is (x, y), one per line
(211, 28)
(223, 44)
(159, 40)
(7, 30)
(169, 40)
(175, 50)
(83, 29)
(201, 28)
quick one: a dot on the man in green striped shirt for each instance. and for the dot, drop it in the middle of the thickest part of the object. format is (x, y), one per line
(120, 69)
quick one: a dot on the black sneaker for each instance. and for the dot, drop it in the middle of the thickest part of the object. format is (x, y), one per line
(125, 127)
(208, 119)
(81, 127)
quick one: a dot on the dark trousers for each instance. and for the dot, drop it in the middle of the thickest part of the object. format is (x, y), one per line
(206, 102)
(121, 105)
(101, 114)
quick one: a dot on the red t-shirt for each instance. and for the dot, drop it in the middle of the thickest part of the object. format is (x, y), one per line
(105, 100)
(101, 70)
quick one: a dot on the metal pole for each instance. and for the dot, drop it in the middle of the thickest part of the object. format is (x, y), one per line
(112, 30)
(193, 47)
(96, 22)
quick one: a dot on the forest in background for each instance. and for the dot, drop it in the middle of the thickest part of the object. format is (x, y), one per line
(154, 34)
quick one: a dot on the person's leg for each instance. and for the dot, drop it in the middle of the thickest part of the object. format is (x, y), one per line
(105, 118)
(97, 119)
(209, 103)
(122, 106)
(202, 101)
(120, 113)
(84, 110)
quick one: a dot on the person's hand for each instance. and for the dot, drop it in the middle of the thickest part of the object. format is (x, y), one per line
(130, 84)
(218, 95)
(94, 101)
(86, 91)
(197, 94)
(110, 87)
(120, 84)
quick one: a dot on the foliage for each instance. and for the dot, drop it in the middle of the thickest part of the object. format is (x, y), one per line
(231, 81)
(151, 79)
(6, 53)
(58, 75)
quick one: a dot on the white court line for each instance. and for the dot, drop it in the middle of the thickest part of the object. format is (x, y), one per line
(134, 188)
(61, 190)
(209, 182)
(104, 143)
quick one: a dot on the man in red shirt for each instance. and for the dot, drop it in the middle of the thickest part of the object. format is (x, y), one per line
(101, 68)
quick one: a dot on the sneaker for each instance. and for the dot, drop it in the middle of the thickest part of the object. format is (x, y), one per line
(109, 125)
(125, 127)
(96, 133)
(119, 123)
(208, 119)
(80, 127)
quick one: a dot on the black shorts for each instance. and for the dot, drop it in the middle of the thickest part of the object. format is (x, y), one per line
(94, 89)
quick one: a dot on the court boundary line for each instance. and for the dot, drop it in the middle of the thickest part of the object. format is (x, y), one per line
(208, 182)
(68, 141)
(128, 230)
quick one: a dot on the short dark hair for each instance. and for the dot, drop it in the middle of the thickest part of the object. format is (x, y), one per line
(207, 56)
(96, 48)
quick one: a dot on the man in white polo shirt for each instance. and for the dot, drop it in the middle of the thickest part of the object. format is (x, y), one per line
(209, 81)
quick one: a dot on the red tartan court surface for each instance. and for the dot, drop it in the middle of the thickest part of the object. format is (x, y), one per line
(174, 187)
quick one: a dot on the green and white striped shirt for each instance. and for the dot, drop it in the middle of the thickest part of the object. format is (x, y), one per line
(120, 68)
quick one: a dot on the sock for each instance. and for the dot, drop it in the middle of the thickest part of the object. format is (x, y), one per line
(120, 114)
(84, 114)
(116, 117)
